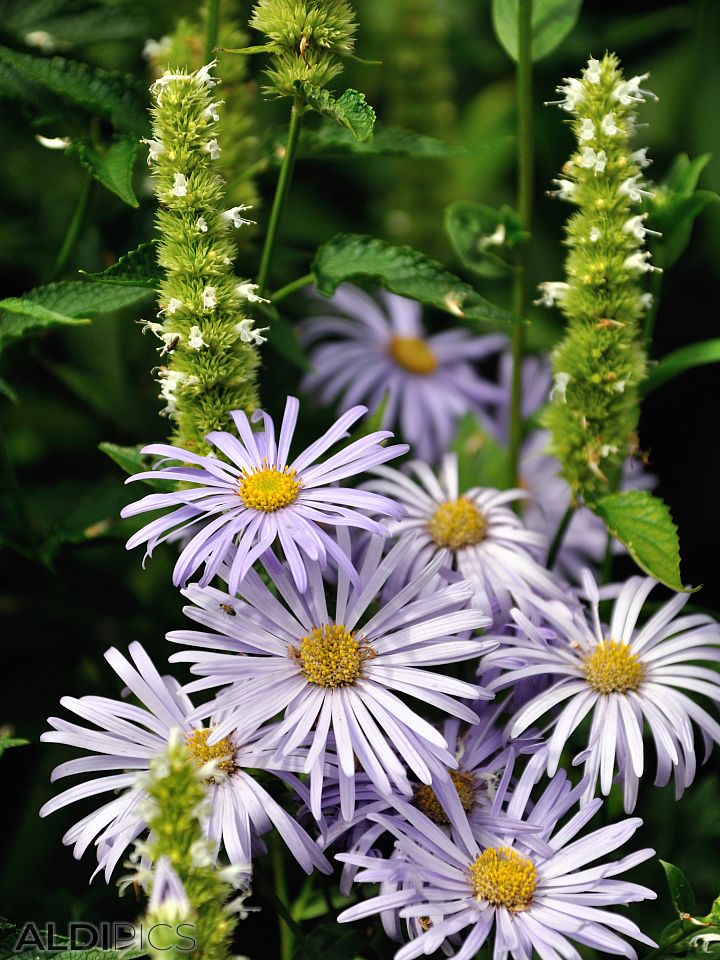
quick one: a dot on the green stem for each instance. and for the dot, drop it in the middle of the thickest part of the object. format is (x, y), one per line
(286, 923)
(659, 951)
(521, 289)
(281, 192)
(291, 287)
(211, 37)
(559, 535)
(73, 231)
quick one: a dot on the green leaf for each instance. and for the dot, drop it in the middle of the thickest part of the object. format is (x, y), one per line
(132, 461)
(351, 110)
(681, 891)
(112, 166)
(258, 48)
(677, 362)
(7, 742)
(482, 461)
(21, 316)
(675, 207)
(479, 234)
(60, 304)
(643, 523)
(552, 21)
(136, 268)
(330, 140)
(404, 271)
(116, 97)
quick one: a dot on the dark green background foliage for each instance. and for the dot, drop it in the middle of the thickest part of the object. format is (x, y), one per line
(68, 589)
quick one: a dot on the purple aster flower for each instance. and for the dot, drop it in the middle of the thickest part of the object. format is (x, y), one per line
(535, 890)
(489, 544)
(380, 350)
(259, 497)
(627, 678)
(338, 670)
(461, 798)
(124, 740)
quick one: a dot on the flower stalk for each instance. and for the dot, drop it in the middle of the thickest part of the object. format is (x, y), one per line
(600, 362)
(521, 289)
(189, 894)
(208, 345)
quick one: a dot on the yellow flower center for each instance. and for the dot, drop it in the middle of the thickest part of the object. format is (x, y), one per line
(503, 878)
(426, 798)
(223, 752)
(267, 488)
(456, 524)
(331, 656)
(612, 668)
(413, 354)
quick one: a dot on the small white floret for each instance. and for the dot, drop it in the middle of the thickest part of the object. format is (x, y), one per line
(180, 185)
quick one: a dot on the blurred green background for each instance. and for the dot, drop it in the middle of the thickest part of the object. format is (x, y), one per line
(70, 590)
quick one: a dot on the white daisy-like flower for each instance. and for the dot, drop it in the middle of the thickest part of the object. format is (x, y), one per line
(488, 543)
(123, 740)
(629, 678)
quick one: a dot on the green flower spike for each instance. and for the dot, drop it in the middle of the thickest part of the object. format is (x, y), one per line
(208, 346)
(600, 362)
(306, 40)
(192, 898)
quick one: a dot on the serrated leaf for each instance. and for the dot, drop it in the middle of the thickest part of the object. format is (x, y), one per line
(404, 271)
(330, 140)
(116, 97)
(681, 891)
(111, 166)
(552, 21)
(350, 110)
(21, 316)
(643, 523)
(677, 362)
(136, 268)
(482, 461)
(480, 234)
(59, 304)
(132, 461)
(7, 742)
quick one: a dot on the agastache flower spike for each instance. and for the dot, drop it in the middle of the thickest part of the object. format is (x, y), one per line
(592, 422)
(209, 373)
